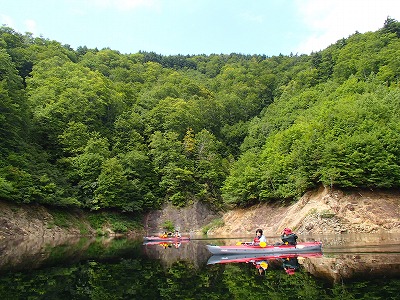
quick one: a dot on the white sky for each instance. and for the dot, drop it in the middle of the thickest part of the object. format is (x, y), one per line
(171, 27)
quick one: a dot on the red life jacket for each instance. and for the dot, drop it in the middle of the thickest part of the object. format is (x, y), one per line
(256, 239)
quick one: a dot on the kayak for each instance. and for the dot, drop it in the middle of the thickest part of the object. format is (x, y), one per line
(166, 242)
(303, 247)
(167, 239)
(239, 258)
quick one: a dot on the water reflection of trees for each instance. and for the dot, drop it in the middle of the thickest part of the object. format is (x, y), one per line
(142, 278)
(124, 269)
(33, 253)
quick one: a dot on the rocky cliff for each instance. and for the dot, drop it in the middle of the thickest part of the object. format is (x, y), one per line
(320, 211)
(22, 220)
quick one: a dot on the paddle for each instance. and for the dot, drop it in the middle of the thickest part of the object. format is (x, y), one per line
(243, 243)
(262, 244)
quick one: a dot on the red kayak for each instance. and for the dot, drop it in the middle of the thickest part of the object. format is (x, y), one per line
(166, 242)
(172, 239)
(303, 247)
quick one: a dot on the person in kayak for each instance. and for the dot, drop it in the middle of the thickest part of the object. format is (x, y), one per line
(177, 234)
(289, 237)
(165, 234)
(259, 238)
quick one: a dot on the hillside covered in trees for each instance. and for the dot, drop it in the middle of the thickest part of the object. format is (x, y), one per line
(98, 129)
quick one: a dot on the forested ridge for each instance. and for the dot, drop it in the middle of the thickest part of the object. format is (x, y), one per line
(98, 129)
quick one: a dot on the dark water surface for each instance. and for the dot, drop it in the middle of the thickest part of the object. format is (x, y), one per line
(365, 266)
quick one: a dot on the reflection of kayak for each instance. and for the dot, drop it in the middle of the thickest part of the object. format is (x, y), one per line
(238, 258)
(269, 249)
(167, 239)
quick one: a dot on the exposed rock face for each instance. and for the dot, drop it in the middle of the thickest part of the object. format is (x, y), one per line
(321, 211)
(17, 221)
(188, 219)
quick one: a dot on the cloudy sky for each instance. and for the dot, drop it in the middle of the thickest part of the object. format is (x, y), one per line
(171, 27)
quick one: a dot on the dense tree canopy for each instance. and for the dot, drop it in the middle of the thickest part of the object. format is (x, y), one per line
(100, 129)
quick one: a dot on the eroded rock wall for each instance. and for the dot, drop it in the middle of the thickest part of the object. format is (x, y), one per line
(320, 211)
(189, 220)
(19, 221)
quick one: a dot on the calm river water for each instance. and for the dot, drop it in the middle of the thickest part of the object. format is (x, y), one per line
(365, 266)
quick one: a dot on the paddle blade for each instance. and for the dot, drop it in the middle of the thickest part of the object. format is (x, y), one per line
(263, 244)
(264, 265)
(238, 243)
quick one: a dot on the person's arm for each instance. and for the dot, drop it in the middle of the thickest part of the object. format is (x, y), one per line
(284, 238)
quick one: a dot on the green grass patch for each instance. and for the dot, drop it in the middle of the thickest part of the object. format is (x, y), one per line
(61, 219)
(168, 226)
(117, 222)
(327, 214)
(213, 224)
(312, 212)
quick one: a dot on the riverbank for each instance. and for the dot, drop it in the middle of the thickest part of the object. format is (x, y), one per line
(319, 211)
(24, 221)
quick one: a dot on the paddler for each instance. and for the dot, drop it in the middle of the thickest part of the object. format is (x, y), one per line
(259, 237)
(289, 237)
(164, 235)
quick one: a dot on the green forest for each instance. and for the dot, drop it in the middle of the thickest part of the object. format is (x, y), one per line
(98, 129)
